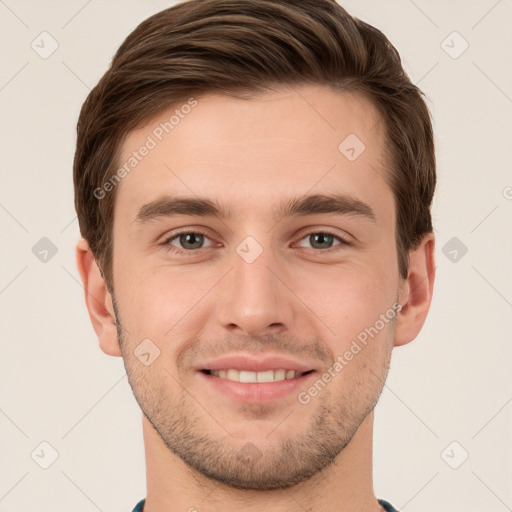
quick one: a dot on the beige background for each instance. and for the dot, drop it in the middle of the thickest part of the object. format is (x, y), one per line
(452, 384)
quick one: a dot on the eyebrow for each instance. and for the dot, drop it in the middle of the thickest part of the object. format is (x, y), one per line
(170, 206)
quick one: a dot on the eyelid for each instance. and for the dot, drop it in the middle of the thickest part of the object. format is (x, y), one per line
(308, 230)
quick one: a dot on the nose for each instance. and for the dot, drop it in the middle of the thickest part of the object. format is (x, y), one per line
(254, 297)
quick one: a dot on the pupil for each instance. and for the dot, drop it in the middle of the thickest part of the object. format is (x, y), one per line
(188, 238)
(322, 237)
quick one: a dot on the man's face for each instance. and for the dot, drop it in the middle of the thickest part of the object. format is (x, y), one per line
(271, 292)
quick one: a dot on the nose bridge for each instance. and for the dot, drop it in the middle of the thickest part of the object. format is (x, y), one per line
(253, 299)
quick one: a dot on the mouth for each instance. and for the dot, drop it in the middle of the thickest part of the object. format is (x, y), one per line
(255, 387)
(246, 376)
(255, 378)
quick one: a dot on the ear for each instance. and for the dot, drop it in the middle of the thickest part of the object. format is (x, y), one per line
(416, 292)
(97, 299)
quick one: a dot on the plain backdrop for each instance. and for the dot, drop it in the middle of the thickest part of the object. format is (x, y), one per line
(443, 436)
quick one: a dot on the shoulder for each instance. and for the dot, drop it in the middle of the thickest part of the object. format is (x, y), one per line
(387, 506)
(140, 506)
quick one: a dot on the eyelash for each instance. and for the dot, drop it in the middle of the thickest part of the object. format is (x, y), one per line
(171, 248)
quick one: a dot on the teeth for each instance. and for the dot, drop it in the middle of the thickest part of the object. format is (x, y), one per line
(233, 375)
(246, 376)
(280, 375)
(267, 376)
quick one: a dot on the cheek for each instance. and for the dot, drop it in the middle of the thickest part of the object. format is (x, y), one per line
(163, 304)
(349, 298)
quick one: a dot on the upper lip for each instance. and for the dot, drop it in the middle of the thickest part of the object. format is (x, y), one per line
(253, 363)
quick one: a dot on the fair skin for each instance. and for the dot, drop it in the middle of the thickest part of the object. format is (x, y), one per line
(211, 443)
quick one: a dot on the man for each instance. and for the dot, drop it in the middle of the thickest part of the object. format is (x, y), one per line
(253, 181)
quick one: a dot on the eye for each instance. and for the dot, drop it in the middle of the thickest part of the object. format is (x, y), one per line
(190, 241)
(324, 240)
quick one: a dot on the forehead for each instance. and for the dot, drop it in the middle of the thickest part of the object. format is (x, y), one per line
(294, 141)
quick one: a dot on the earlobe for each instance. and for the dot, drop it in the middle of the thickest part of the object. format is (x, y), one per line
(98, 299)
(416, 293)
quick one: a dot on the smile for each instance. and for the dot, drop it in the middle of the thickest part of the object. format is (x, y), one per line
(251, 377)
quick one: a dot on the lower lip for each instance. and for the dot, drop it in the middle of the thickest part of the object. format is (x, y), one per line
(254, 392)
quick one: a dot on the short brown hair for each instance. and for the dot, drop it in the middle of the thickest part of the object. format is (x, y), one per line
(239, 48)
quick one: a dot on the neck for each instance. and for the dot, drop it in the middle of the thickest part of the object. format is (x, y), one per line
(345, 485)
